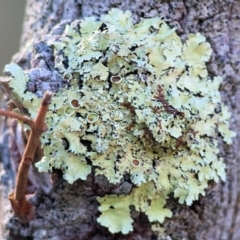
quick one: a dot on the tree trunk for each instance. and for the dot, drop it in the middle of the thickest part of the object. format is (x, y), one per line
(69, 211)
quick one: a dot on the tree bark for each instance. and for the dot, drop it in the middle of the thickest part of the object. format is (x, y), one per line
(65, 211)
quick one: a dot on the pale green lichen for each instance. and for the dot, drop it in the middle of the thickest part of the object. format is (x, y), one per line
(139, 102)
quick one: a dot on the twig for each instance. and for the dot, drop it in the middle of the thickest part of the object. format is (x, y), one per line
(21, 207)
(17, 116)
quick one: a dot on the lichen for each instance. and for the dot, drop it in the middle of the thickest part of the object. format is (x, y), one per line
(138, 101)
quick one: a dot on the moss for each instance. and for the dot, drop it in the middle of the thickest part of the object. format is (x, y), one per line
(145, 105)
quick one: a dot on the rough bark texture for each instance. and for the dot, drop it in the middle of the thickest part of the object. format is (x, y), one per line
(67, 211)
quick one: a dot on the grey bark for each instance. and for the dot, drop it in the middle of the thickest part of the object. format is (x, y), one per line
(67, 211)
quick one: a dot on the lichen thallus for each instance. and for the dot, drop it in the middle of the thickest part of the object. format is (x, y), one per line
(22, 208)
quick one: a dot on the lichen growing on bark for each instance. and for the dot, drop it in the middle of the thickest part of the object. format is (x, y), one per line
(137, 101)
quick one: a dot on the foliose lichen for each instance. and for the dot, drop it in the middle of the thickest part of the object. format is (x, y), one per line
(138, 102)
